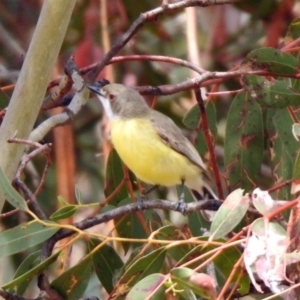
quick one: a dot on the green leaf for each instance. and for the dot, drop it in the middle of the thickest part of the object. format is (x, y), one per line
(194, 251)
(142, 266)
(260, 228)
(129, 226)
(200, 284)
(225, 264)
(244, 143)
(28, 270)
(258, 10)
(173, 233)
(24, 236)
(62, 200)
(292, 34)
(296, 131)
(280, 162)
(72, 283)
(152, 285)
(229, 215)
(196, 220)
(10, 194)
(78, 194)
(283, 123)
(296, 173)
(192, 119)
(284, 148)
(198, 224)
(275, 94)
(114, 176)
(272, 60)
(64, 213)
(107, 264)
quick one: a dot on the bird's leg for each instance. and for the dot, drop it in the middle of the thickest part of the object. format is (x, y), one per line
(181, 205)
(152, 188)
(142, 197)
(181, 196)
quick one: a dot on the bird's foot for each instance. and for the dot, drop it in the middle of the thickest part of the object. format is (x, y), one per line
(181, 206)
(140, 202)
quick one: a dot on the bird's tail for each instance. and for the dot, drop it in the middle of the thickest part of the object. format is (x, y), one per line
(206, 193)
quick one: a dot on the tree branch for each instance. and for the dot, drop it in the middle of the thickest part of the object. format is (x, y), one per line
(149, 16)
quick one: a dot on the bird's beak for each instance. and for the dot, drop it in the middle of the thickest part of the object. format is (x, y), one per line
(95, 89)
(97, 86)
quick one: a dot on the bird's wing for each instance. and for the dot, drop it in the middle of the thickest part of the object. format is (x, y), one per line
(172, 136)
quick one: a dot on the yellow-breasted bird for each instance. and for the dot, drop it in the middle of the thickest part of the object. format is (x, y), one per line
(150, 143)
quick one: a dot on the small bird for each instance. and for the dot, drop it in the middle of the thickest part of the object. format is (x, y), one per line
(150, 143)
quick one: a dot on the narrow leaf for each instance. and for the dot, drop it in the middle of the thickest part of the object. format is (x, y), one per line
(129, 227)
(23, 237)
(64, 213)
(114, 175)
(229, 215)
(10, 194)
(281, 162)
(283, 122)
(200, 284)
(275, 94)
(72, 283)
(272, 60)
(78, 194)
(144, 266)
(192, 118)
(173, 233)
(225, 263)
(28, 270)
(244, 143)
(292, 34)
(107, 263)
(152, 285)
(286, 149)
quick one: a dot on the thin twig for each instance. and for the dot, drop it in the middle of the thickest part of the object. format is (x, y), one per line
(149, 16)
(32, 199)
(125, 210)
(207, 134)
(230, 278)
(46, 148)
(224, 93)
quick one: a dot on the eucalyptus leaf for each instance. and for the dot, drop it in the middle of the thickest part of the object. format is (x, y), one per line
(28, 270)
(272, 60)
(152, 285)
(142, 266)
(114, 175)
(72, 283)
(11, 195)
(244, 143)
(64, 213)
(24, 236)
(107, 264)
(229, 215)
(275, 93)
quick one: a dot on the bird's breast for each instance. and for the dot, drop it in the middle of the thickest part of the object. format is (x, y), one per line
(147, 155)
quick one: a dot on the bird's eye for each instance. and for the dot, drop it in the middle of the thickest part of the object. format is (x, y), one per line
(111, 97)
